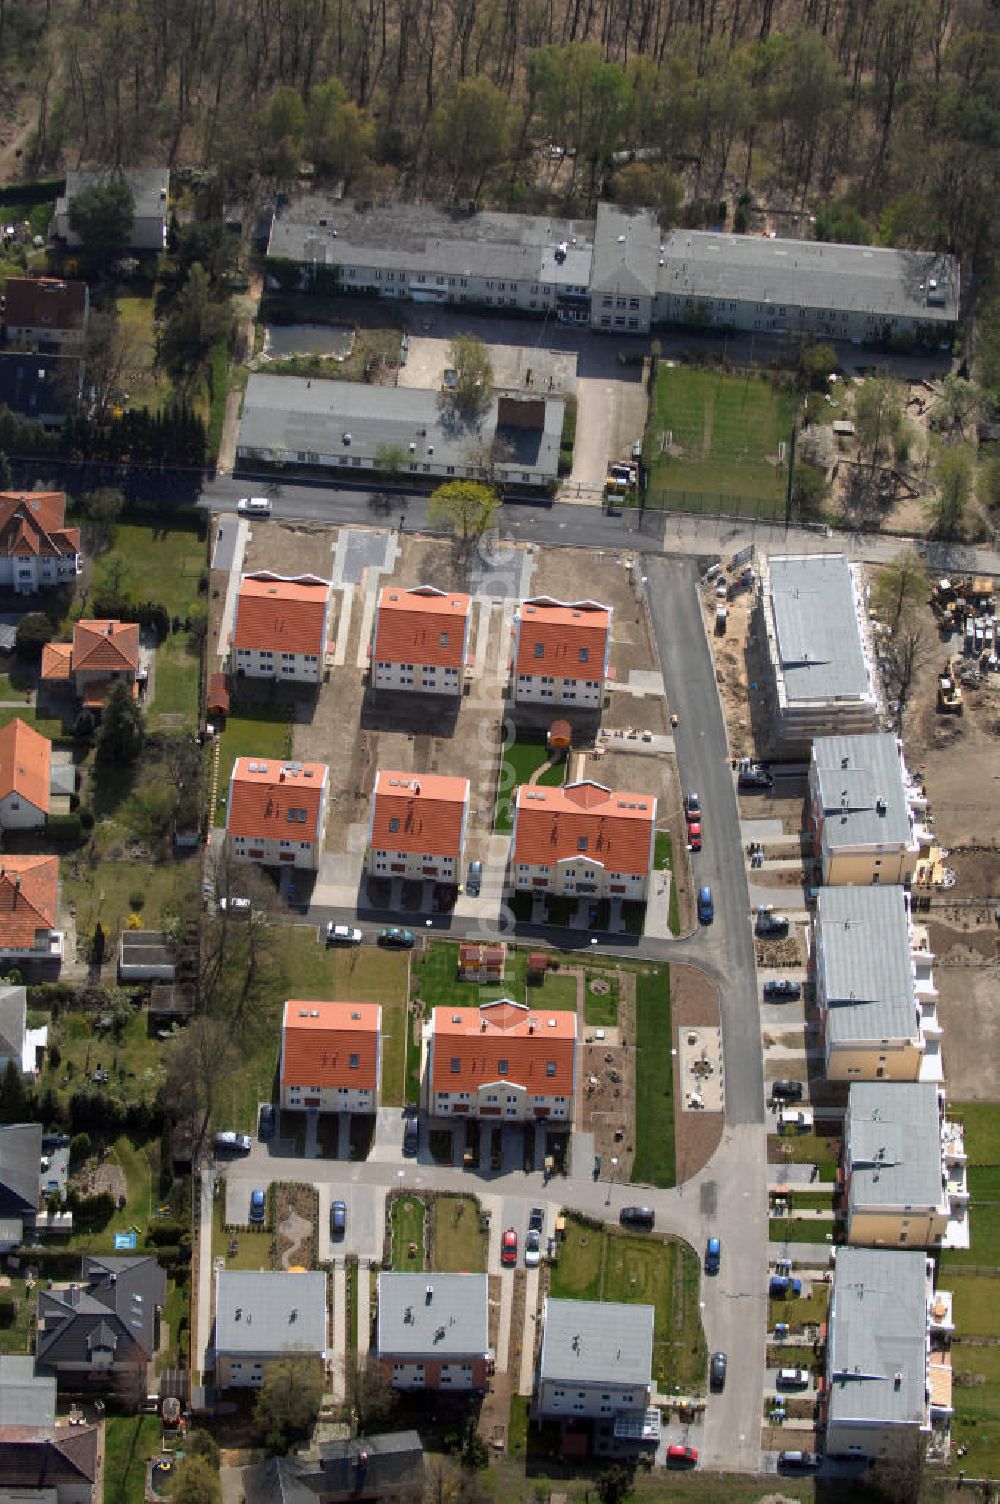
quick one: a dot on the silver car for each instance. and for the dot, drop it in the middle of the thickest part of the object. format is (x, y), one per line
(533, 1248)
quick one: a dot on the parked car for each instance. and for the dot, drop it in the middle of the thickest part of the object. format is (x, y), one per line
(795, 1120)
(338, 1218)
(706, 906)
(717, 1371)
(792, 1378)
(343, 934)
(713, 1256)
(396, 938)
(254, 506)
(411, 1135)
(754, 778)
(536, 1222)
(258, 1206)
(474, 880)
(637, 1216)
(783, 1286)
(508, 1247)
(533, 1248)
(238, 1143)
(798, 1462)
(694, 835)
(783, 990)
(266, 1125)
(790, 1091)
(692, 806)
(681, 1456)
(238, 906)
(770, 924)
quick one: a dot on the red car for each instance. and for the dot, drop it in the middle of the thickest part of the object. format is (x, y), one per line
(694, 835)
(678, 1456)
(508, 1247)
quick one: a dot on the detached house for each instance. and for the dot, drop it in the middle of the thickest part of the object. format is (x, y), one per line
(47, 314)
(25, 776)
(904, 1168)
(20, 1180)
(595, 1371)
(19, 1045)
(264, 1316)
(29, 896)
(583, 839)
(42, 1461)
(433, 1331)
(101, 654)
(501, 1060)
(417, 826)
(561, 652)
(421, 640)
(331, 1056)
(37, 549)
(276, 813)
(863, 809)
(150, 189)
(281, 627)
(106, 1323)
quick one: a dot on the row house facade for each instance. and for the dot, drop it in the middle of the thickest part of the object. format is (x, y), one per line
(583, 840)
(501, 1061)
(420, 641)
(561, 653)
(281, 628)
(417, 826)
(276, 813)
(331, 1056)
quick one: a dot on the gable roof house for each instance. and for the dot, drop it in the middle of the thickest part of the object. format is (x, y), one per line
(25, 776)
(561, 652)
(433, 1331)
(582, 840)
(40, 388)
(595, 1366)
(331, 1056)
(503, 1061)
(19, 1045)
(42, 1462)
(101, 653)
(865, 810)
(821, 673)
(417, 826)
(150, 188)
(37, 549)
(364, 1468)
(46, 313)
(874, 987)
(420, 640)
(276, 812)
(265, 1315)
(106, 1323)
(281, 627)
(20, 1180)
(29, 900)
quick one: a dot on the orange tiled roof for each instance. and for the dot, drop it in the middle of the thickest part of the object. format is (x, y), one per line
(422, 625)
(504, 1041)
(318, 1040)
(33, 522)
(25, 764)
(287, 615)
(45, 302)
(57, 660)
(110, 645)
(551, 824)
(562, 630)
(472, 954)
(263, 792)
(427, 810)
(28, 896)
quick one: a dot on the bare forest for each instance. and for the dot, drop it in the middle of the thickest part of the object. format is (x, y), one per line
(882, 114)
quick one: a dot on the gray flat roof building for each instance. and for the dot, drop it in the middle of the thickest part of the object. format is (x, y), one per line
(439, 1315)
(350, 424)
(922, 285)
(26, 1398)
(20, 1168)
(892, 1144)
(864, 964)
(270, 1313)
(596, 1342)
(862, 796)
(877, 1347)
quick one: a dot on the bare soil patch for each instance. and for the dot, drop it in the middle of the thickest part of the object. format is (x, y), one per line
(694, 1002)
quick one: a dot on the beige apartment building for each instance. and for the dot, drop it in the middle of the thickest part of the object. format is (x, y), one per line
(865, 811)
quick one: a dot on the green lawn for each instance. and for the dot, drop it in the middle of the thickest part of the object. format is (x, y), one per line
(802, 1230)
(175, 699)
(982, 1130)
(155, 564)
(977, 1302)
(265, 734)
(17, 1334)
(129, 1441)
(517, 764)
(141, 1166)
(654, 1108)
(601, 1264)
(147, 387)
(459, 1243)
(407, 1232)
(727, 428)
(801, 1149)
(600, 1010)
(104, 892)
(976, 1400)
(53, 729)
(137, 1057)
(252, 1245)
(807, 1310)
(982, 1145)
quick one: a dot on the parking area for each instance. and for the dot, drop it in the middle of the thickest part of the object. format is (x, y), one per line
(531, 366)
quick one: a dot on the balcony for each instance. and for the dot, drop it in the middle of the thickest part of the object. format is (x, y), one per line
(940, 1314)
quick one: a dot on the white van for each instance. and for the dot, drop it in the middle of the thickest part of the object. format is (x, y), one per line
(254, 506)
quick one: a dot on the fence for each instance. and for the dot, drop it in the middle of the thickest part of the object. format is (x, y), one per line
(711, 504)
